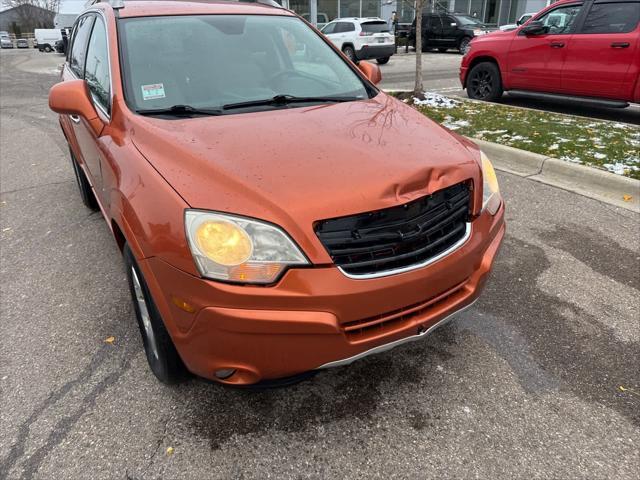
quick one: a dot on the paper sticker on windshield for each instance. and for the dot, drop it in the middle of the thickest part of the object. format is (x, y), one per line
(153, 91)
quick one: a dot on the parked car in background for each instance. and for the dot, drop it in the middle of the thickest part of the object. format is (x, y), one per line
(521, 21)
(584, 50)
(362, 38)
(6, 42)
(266, 225)
(46, 38)
(22, 43)
(322, 19)
(448, 30)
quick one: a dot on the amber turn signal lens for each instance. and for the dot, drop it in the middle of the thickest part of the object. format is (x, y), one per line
(224, 242)
(182, 305)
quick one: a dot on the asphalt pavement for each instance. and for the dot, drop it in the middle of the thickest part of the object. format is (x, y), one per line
(526, 384)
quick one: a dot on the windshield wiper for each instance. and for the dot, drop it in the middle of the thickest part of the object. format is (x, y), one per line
(181, 110)
(287, 99)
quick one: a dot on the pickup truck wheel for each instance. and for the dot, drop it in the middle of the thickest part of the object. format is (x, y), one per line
(382, 61)
(484, 82)
(350, 53)
(464, 45)
(443, 49)
(86, 193)
(163, 358)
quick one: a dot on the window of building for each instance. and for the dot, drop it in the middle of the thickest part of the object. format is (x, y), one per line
(612, 18)
(349, 8)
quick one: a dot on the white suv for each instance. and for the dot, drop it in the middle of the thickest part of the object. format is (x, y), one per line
(362, 38)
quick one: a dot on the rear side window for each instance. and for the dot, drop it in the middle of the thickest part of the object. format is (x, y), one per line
(374, 27)
(97, 72)
(612, 18)
(329, 28)
(79, 47)
(342, 27)
(432, 22)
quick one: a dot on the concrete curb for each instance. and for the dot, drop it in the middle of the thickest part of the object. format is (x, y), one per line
(590, 182)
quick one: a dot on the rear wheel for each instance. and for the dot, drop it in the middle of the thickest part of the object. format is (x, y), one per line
(48, 49)
(442, 49)
(163, 358)
(88, 198)
(350, 53)
(463, 46)
(382, 61)
(484, 82)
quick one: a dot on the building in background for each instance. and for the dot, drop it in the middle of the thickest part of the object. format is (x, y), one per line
(493, 12)
(25, 19)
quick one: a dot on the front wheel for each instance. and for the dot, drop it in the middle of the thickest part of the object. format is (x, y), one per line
(86, 193)
(163, 358)
(350, 53)
(484, 82)
(463, 47)
(383, 61)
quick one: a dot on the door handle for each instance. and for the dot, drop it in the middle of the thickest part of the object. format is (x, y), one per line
(74, 118)
(620, 45)
(557, 44)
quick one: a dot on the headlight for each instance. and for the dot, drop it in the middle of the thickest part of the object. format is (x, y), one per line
(238, 249)
(490, 188)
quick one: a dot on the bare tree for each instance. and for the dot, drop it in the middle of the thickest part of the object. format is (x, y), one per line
(418, 88)
(30, 18)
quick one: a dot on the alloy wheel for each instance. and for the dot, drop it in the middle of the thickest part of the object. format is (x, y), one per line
(481, 84)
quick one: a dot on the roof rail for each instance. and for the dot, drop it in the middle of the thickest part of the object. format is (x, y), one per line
(117, 4)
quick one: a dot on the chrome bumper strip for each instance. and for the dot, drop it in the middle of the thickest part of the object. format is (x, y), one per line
(389, 346)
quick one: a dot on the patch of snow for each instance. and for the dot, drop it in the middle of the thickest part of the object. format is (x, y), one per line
(436, 100)
(599, 156)
(618, 168)
(455, 125)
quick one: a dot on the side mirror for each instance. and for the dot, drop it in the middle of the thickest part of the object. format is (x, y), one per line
(371, 71)
(73, 98)
(536, 27)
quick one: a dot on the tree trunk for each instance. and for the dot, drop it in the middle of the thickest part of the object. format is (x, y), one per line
(418, 89)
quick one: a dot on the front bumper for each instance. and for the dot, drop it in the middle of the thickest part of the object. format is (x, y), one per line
(375, 51)
(315, 317)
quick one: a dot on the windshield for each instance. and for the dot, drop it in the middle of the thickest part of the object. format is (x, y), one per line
(466, 20)
(209, 61)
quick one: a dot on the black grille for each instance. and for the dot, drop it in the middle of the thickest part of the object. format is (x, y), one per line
(397, 237)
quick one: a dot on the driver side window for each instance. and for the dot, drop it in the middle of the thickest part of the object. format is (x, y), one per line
(560, 21)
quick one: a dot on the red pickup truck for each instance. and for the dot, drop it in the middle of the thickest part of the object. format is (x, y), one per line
(583, 49)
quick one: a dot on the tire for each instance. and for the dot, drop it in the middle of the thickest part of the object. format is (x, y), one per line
(463, 46)
(48, 49)
(88, 198)
(163, 358)
(350, 53)
(383, 61)
(442, 49)
(484, 82)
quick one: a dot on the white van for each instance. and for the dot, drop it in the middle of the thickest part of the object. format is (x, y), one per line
(46, 38)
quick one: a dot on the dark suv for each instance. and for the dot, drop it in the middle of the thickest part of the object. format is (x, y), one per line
(447, 30)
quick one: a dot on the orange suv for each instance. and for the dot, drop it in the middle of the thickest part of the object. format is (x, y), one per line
(277, 213)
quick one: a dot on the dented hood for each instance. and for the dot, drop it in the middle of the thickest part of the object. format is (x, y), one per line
(294, 166)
